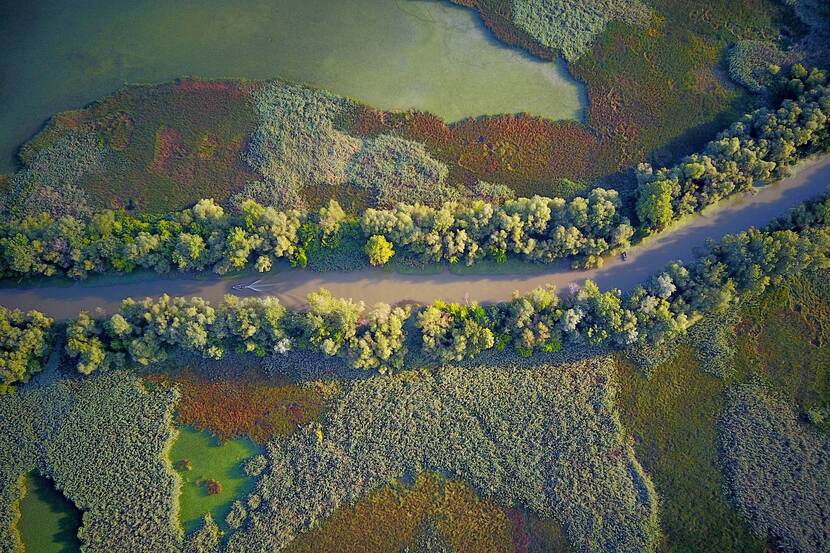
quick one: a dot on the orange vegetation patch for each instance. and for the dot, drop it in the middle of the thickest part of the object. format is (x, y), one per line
(234, 406)
(520, 151)
(398, 516)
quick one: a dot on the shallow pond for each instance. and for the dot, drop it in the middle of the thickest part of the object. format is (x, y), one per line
(393, 54)
(48, 521)
(199, 457)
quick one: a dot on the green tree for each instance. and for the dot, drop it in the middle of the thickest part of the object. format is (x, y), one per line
(24, 343)
(379, 250)
(654, 204)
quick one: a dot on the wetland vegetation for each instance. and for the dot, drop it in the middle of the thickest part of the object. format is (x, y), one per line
(683, 405)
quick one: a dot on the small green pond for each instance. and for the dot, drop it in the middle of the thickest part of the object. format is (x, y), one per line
(393, 54)
(210, 460)
(49, 522)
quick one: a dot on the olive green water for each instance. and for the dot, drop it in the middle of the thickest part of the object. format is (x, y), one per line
(48, 521)
(210, 459)
(393, 54)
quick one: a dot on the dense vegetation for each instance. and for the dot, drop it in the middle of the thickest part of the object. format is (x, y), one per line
(207, 237)
(24, 345)
(777, 473)
(101, 441)
(757, 149)
(739, 266)
(464, 421)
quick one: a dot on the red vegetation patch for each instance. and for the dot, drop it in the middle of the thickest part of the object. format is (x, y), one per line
(521, 539)
(518, 150)
(212, 487)
(234, 406)
(168, 144)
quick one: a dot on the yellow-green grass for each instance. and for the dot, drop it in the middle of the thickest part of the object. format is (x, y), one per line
(210, 459)
(48, 522)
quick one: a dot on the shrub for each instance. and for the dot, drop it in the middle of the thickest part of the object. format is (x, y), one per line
(777, 472)
(755, 150)
(379, 250)
(25, 339)
(570, 26)
(453, 332)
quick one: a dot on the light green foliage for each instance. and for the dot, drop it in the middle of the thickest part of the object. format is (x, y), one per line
(155, 327)
(532, 321)
(296, 143)
(554, 428)
(330, 322)
(102, 441)
(777, 471)
(537, 229)
(453, 332)
(250, 324)
(570, 26)
(654, 207)
(24, 344)
(84, 343)
(399, 170)
(756, 150)
(379, 342)
(379, 250)
(329, 218)
(750, 62)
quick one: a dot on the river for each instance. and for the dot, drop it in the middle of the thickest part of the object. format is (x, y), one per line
(392, 54)
(291, 286)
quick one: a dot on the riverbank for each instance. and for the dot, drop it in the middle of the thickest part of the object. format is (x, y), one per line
(809, 180)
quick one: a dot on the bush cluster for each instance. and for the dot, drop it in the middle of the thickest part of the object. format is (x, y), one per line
(148, 331)
(777, 472)
(202, 237)
(207, 237)
(570, 26)
(755, 150)
(103, 442)
(536, 229)
(739, 266)
(298, 144)
(24, 345)
(552, 427)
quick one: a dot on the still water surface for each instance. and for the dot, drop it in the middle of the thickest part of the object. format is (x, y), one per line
(393, 54)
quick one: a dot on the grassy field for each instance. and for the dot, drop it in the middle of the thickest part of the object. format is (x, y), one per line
(781, 340)
(48, 521)
(210, 459)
